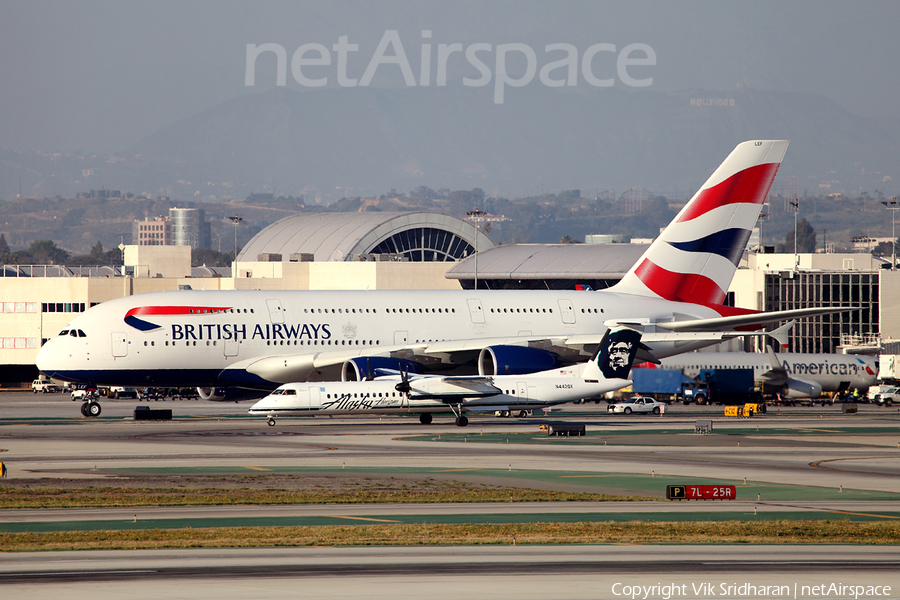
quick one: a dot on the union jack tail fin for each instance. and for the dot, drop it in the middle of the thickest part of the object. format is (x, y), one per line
(694, 258)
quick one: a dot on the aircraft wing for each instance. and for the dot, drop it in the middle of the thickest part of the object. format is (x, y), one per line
(573, 348)
(761, 318)
(452, 389)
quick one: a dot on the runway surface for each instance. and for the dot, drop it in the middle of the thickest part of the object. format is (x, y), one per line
(800, 461)
(572, 572)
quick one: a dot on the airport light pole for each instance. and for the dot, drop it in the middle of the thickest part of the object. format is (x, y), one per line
(237, 221)
(476, 216)
(892, 205)
(762, 217)
(796, 204)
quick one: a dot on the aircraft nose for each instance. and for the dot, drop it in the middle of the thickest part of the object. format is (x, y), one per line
(46, 360)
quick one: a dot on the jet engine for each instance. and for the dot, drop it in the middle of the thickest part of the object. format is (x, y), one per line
(212, 394)
(802, 388)
(229, 394)
(514, 360)
(357, 369)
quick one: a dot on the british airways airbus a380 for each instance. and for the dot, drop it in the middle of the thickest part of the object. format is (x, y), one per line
(262, 339)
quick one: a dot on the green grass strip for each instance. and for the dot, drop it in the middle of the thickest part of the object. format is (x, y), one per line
(730, 532)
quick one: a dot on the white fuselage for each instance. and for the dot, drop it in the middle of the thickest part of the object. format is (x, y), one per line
(830, 371)
(241, 338)
(516, 392)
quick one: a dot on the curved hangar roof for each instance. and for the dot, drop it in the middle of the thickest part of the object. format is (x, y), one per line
(419, 236)
(551, 261)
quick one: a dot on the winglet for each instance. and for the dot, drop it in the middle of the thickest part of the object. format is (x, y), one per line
(780, 335)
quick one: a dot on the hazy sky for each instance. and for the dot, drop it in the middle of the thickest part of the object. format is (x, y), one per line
(98, 76)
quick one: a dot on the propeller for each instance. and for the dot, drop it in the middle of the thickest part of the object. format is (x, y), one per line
(403, 387)
(369, 376)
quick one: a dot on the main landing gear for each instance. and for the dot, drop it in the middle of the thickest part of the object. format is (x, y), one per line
(90, 409)
(271, 421)
(461, 419)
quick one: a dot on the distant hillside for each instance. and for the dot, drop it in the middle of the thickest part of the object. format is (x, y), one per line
(333, 143)
(368, 140)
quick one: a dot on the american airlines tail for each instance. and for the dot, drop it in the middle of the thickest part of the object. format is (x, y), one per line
(695, 257)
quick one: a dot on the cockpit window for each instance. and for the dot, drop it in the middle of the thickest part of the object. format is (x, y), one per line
(73, 333)
(64, 332)
(277, 392)
(81, 333)
(290, 392)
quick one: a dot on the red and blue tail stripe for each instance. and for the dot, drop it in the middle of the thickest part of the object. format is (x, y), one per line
(694, 258)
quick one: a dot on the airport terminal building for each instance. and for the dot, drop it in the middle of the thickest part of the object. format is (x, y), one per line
(421, 250)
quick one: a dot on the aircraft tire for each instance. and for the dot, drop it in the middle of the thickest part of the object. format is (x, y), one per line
(425, 418)
(84, 411)
(93, 409)
(271, 422)
(462, 421)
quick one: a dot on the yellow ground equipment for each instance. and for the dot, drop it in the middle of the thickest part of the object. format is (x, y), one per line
(747, 410)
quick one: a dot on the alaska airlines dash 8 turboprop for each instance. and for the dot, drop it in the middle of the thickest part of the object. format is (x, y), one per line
(262, 339)
(793, 375)
(426, 395)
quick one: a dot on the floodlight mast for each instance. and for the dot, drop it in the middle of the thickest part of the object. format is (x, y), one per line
(476, 216)
(237, 221)
(892, 205)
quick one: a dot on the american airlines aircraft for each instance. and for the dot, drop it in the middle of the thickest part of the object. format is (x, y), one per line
(262, 339)
(425, 395)
(792, 375)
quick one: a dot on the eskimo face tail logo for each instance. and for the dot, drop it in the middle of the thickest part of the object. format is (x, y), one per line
(142, 325)
(617, 353)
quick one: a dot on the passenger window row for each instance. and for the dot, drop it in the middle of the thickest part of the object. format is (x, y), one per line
(373, 395)
(524, 310)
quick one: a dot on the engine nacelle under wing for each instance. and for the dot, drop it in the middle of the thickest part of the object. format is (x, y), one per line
(358, 369)
(212, 394)
(802, 388)
(514, 360)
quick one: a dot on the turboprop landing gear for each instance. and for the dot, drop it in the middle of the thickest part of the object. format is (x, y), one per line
(461, 419)
(90, 409)
(425, 418)
(271, 422)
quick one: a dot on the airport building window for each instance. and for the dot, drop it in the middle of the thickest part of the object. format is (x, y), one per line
(825, 333)
(19, 343)
(49, 307)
